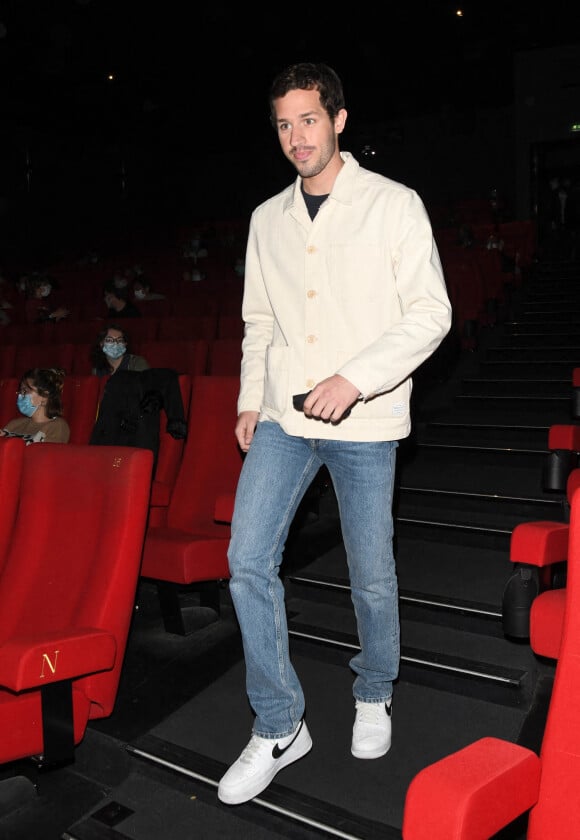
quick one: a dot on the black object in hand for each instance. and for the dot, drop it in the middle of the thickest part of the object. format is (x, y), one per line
(298, 403)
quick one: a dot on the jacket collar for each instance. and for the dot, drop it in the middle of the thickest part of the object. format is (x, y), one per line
(342, 190)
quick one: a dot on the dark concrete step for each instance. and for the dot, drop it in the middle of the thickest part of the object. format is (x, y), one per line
(568, 322)
(458, 573)
(562, 310)
(537, 388)
(507, 410)
(549, 335)
(485, 471)
(477, 435)
(481, 665)
(502, 369)
(455, 511)
(531, 354)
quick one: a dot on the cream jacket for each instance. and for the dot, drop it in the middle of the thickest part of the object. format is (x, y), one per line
(359, 291)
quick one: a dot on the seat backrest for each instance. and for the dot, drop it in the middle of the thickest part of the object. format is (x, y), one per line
(230, 325)
(25, 333)
(190, 299)
(171, 449)
(557, 812)
(225, 357)
(43, 356)
(8, 388)
(80, 399)
(76, 546)
(7, 356)
(11, 455)
(188, 327)
(76, 331)
(145, 328)
(211, 461)
(183, 355)
(82, 363)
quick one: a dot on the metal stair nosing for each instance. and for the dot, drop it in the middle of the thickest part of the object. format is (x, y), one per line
(407, 597)
(277, 799)
(443, 663)
(479, 447)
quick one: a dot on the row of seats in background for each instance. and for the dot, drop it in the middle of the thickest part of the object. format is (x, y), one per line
(186, 298)
(81, 399)
(185, 355)
(206, 281)
(481, 276)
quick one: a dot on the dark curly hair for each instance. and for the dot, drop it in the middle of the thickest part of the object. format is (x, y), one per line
(309, 76)
(98, 358)
(49, 383)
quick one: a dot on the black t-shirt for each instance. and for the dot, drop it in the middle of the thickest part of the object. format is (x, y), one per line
(313, 202)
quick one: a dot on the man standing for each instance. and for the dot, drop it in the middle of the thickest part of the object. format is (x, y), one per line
(344, 297)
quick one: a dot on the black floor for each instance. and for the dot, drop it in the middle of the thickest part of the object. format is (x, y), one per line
(468, 474)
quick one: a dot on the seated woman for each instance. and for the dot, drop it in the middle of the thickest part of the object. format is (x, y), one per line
(39, 401)
(110, 353)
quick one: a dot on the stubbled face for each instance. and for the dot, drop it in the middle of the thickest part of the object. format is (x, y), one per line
(307, 135)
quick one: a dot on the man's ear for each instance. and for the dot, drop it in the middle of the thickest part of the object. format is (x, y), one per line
(340, 120)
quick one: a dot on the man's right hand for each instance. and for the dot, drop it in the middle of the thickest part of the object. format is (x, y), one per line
(245, 428)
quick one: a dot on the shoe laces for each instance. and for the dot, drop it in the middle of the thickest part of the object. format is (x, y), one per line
(369, 713)
(251, 752)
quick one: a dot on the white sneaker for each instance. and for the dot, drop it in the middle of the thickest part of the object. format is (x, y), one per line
(259, 762)
(371, 733)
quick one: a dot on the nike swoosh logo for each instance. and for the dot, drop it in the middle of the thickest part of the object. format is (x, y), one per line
(279, 751)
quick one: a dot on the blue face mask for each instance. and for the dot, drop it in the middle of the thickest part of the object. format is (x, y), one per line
(114, 351)
(24, 405)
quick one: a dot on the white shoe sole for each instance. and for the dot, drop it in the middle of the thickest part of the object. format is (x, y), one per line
(376, 753)
(299, 748)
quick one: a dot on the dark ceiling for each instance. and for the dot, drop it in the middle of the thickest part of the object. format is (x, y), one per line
(204, 69)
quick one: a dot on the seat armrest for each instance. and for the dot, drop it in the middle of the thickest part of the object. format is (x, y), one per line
(541, 543)
(28, 662)
(564, 436)
(472, 793)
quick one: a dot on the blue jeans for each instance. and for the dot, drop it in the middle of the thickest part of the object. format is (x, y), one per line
(276, 473)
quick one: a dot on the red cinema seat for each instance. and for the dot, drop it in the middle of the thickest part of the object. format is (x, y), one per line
(188, 327)
(225, 357)
(138, 329)
(7, 356)
(169, 457)
(467, 295)
(75, 331)
(11, 455)
(230, 325)
(25, 333)
(8, 390)
(82, 364)
(192, 546)
(43, 355)
(80, 399)
(539, 551)
(67, 594)
(183, 355)
(475, 792)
